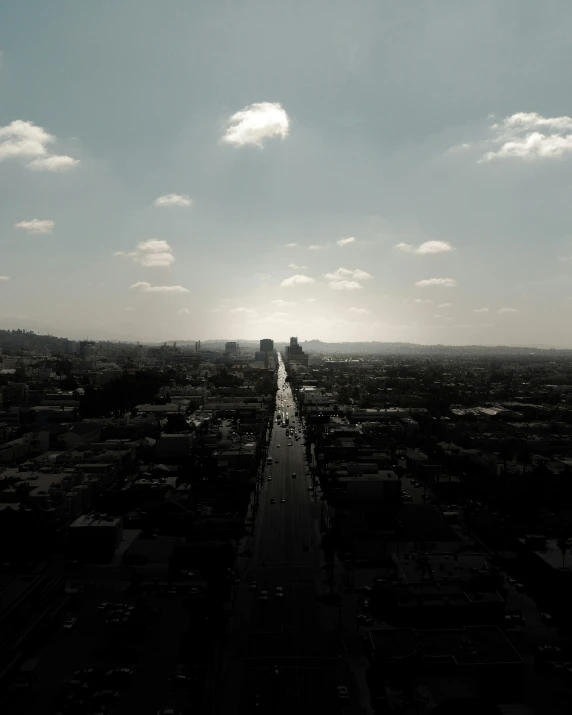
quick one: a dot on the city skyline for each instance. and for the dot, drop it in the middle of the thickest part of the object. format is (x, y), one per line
(181, 180)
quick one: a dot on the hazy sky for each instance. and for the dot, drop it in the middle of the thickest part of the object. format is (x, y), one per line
(342, 170)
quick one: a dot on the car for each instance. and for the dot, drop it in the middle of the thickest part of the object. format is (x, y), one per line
(512, 581)
(69, 623)
(269, 479)
(252, 586)
(310, 488)
(279, 589)
(282, 501)
(264, 595)
(366, 603)
(547, 618)
(109, 695)
(279, 594)
(273, 501)
(362, 618)
(104, 605)
(293, 475)
(172, 591)
(84, 674)
(275, 461)
(277, 446)
(342, 692)
(407, 497)
(519, 587)
(290, 444)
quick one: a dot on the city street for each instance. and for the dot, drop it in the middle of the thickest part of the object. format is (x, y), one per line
(285, 630)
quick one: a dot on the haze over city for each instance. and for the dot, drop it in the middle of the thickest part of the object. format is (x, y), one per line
(341, 171)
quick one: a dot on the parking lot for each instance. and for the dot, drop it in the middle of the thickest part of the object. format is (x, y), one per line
(149, 648)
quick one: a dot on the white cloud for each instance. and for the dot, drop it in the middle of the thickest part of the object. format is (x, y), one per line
(153, 253)
(169, 200)
(291, 245)
(148, 288)
(481, 310)
(315, 247)
(21, 139)
(53, 163)
(358, 311)
(345, 285)
(295, 267)
(256, 123)
(36, 226)
(427, 247)
(279, 301)
(443, 282)
(3, 279)
(280, 315)
(346, 241)
(445, 305)
(507, 310)
(313, 300)
(243, 311)
(298, 279)
(423, 301)
(529, 135)
(356, 274)
(184, 311)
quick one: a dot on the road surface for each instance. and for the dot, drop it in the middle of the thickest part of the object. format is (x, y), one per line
(282, 633)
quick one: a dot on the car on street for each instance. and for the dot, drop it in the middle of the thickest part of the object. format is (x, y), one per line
(293, 475)
(547, 618)
(278, 446)
(269, 478)
(290, 444)
(282, 501)
(275, 461)
(252, 586)
(343, 692)
(69, 623)
(264, 595)
(273, 501)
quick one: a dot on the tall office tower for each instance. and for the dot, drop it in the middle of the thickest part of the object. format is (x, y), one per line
(231, 348)
(294, 354)
(266, 345)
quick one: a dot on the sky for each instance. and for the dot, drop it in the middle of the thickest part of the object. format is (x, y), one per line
(343, 170)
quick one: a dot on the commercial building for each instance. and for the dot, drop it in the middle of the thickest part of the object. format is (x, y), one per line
(295, 355)
(266, 345)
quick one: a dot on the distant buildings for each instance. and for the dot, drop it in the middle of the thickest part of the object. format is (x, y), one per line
(231, 349)
(266, 345)
(295, 355)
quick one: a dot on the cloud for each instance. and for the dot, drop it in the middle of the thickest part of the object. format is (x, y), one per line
(298, 279)
(169, 200)
(295, 267)
(129, 309)
(346, 241)
(445, 305)
(279, 301)
(53, 163)
(36, 226)
(254, 124)
(184, 311)
(3, 279)
(25, 140)
(507, 310)
(342, 273)
(313, 300)
(315, 247)
(358, 311)
(243, 311)
(151, 254)
(423, 301)
(481, 310)
(427, 247)
(345, 285)
(529, 135)
(291, 245)
(148, 288)
(443, 282)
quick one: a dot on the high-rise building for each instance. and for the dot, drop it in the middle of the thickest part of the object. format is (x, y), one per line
(266, 345)
(231, 349)
(295, 355)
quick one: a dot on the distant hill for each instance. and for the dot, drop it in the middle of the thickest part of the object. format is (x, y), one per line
(14, 340)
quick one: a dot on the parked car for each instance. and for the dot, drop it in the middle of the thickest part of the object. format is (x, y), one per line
(342, 692)
(69, 623)
(547, 618)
